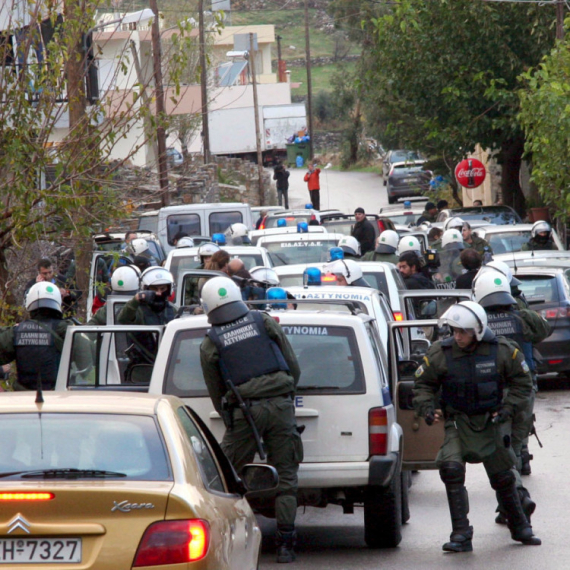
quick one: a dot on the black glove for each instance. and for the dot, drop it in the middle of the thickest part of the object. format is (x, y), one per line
(430, 418)
(502, 416)
(146, 297)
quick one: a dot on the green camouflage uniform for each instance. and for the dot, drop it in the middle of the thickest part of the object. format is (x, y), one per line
(479, 245)
(273, 412)
(534, 245)
(385, 257)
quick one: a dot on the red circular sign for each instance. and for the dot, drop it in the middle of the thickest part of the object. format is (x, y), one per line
(470, 173)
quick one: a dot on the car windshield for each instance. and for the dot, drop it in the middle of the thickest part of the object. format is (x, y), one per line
(498, 217)
(340, 226)
(404, 155)
(293, 252)
(405, 219)
(292, 220)
(539, 288)
(507, 242)
(129, 445)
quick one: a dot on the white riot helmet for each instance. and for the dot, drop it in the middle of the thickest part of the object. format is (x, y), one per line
(43, 295)
(185, 242)
(388, 242)
(466, 315)
(138, 246)
(540, 227)
(453, 223)
(504, 269)
(409, 243)
(156, 276)
(492, 289)
(453, 239)
(126, 279)
(238, 234)
(350, 245)
(222, 301)
(207, 250)
(265, 275)
(350, 270)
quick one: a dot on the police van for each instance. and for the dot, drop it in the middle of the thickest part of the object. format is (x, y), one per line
(299, 247)
(254, 235)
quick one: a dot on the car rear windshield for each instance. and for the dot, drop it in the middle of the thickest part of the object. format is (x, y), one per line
(506, 242)
(294, 252)
(126, 444)
(539, 288)
(185, 223)
(271, 221)
(328, 357)
(401, 156)
(377, 280)
(497, 218)
(179, 264)
(405, 219)
(149, 223)
(345, 227)
(221, 221)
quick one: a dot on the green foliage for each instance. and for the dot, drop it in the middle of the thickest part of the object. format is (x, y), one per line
(545, 116)
(323, 106)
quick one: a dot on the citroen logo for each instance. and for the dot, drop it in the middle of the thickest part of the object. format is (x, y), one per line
(19, 523)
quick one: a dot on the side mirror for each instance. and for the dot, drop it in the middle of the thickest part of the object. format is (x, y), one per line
(428, 309)
(407, 367)
(259, 480)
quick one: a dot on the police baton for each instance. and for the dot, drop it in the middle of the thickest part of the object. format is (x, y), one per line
(247, 415)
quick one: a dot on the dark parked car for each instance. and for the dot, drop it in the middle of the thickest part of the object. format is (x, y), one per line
(406, 179)
(393, 156)
(498, 215)
(547, 290)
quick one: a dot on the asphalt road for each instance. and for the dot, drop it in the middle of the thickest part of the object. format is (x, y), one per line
(330, 540)
(344, 191)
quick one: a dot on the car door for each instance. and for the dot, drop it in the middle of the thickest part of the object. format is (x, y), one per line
(421, 442)
(188, 285)
(102, 266)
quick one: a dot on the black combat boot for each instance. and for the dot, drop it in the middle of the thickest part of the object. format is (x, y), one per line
(285, 542)
(510, 501)
(462, 533)
(528, 507)
(526, 458)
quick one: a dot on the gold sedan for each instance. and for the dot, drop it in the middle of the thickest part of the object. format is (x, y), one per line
(119, 481)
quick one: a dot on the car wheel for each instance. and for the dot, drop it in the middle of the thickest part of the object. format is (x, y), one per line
(383, 515)
(406, 484)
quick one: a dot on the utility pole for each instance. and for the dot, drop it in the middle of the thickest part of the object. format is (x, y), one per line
(252, 54)
(309, 84)
(160, 111)
(560, 20)
(203, 83)
(280, 71)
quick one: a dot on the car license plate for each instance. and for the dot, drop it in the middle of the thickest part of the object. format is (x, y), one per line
(410, 180)
(40, 550)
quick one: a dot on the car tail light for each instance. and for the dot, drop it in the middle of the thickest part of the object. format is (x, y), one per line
(276, 319)
(26, 496)
(391, 171)
(313, 217)
(328, 278)
(398, 316)
(172, 297)
(561, 312)
(173, 542)
(381, 225)
(559, 361)
(378, 431)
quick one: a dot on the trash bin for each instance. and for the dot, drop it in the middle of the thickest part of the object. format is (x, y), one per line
(293, 150)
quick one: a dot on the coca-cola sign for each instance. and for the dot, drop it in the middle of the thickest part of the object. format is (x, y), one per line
(470, 173)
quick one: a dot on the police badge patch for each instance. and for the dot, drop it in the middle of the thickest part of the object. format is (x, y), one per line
(420, 371)
(525, 366)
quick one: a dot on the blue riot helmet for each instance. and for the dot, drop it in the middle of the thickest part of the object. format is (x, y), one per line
(274, 294)
(336, 253)
(312, 277)
(281, 222)
(308, 206)
(219, 239)
(302, 227)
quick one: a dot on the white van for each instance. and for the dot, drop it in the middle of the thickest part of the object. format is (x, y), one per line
(195, 219)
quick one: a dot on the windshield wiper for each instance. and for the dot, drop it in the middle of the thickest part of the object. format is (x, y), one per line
(70, 473)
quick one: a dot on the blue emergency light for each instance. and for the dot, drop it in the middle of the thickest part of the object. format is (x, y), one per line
(308, 206)
(277, 294)
(312, 277)
(281, 222)
(302, 228)
(336, 253)
(219, 239)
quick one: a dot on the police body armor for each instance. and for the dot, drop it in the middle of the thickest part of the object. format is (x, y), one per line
(472, 384)
(509, 324)
(36, 353)
(238, 340)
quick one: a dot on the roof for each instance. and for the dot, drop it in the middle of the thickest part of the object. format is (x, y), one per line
(325, 236)
(83, 402)
(231, 249)
(265, 34)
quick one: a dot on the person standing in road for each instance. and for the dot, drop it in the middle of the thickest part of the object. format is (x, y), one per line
(363, 231)
(386, 247)
(261, 219)
(312, 178)
(409, 265)
(249, 350)
(482, 382)
(471, 260)
(281, 175)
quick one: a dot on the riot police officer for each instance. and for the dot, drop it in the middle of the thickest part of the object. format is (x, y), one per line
(36, 343)
(386, 247)
(238, 234)
(249, 349)
(350, 246)
(472, 368)
(348, 272)
(540, 238)
(124, 281)
(526, 327)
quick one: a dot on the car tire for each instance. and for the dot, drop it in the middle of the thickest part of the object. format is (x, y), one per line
(406, 484)
(383, 514)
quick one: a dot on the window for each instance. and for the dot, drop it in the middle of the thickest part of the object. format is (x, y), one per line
(293, 252)
(181, 263)
(292, 221)
(507, 241)
(125, 444)
(184, 376)
(380, 361)
(329, 359)
(221, 221)
(149, 223)
(187, 223)
(539, 289)
(208, 468)
(377, 280)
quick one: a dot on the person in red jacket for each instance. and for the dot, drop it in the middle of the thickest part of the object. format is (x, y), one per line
(312, 179)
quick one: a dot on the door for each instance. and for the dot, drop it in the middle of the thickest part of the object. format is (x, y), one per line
(421, 442)
(102, 266)
(189, 285)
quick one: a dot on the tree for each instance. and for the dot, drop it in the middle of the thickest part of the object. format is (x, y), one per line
(55, 180)
(442, 77)
(545, 116)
